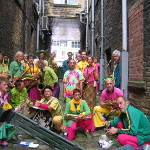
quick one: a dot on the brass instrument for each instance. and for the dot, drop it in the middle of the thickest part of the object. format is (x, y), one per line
(74, 117)
(21, 76)
(5, 60)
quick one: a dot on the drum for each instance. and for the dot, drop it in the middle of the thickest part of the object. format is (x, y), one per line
(39, 115)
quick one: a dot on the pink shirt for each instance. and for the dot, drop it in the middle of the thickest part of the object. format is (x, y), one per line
(4, 99)
(88, 70)
(106, 95)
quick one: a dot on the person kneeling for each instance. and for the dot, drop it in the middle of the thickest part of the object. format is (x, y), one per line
(132, 125)
(77, 114)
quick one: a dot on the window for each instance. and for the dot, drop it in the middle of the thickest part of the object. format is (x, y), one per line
(59, 1)
(69, 2)
(75, 44)
(63, 55)
(72, 2)
(59, 43)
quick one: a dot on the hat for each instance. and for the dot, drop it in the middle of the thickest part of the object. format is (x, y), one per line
(41, 51)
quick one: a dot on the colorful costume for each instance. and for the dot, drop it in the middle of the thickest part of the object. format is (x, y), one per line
(45, 115)
(89, 89)
(33, 92)
(53, 64)
(6, 130)
(71, 78)
(81, 65)
(98, 110)
(3, 68)
(77, 108)
(17, 98)
(50, 78)
(134, 127)
(16, 69)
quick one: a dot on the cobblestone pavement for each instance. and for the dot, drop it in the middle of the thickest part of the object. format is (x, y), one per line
(81, 140)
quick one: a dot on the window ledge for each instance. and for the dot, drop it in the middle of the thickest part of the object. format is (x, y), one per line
(137, 84)
(66, 5)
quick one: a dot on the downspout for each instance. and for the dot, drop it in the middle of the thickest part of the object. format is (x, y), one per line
(93, 27)
(87, 24)
(38, 26)
(124, 54)
(102, 47)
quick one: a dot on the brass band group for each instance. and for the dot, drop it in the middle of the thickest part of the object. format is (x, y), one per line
(30, 86)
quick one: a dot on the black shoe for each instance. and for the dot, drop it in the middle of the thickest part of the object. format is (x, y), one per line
(99, 128)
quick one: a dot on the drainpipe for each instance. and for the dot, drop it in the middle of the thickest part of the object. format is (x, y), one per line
(124, 54)
(102, 47)
(38, 26)
(87, 24)
(93, 27)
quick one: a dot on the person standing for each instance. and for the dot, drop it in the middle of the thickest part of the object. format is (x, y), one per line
(65, 65)
(116, 68)
(49, 77)
(132, 125)
(3, 67)
(107, 102)
(52, 63)
(41, 57)
(83, 63)
(16, 68)
(32, 82)
(90, 80)
(72, 79)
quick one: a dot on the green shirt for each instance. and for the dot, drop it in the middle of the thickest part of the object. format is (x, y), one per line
(16, 69)
(135, 123)
(83, 108)
(54, 103)
(50, 76)
(17, 97)
(3, 68)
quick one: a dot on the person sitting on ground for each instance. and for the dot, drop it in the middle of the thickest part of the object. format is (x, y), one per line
(107, 102)
(132, 125)
(6, 130)
(79, 109)
(51, 104)
(19, 95)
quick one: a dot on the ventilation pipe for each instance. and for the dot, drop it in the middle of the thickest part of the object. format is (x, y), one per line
(102, 47)
(124, 54)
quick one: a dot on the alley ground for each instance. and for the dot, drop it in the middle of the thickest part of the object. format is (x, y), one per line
(81, 140)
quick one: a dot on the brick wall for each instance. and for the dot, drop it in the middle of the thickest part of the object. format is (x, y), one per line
(147, 53)
(139, 86)
(17, 27)
(136, 36)
(62, 10)
(139, 44)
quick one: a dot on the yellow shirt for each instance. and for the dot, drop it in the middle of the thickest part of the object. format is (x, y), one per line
(33, 70)
(81, 65)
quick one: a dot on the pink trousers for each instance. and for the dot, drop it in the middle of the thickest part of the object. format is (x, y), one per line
(84, 124)
(125, 139)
